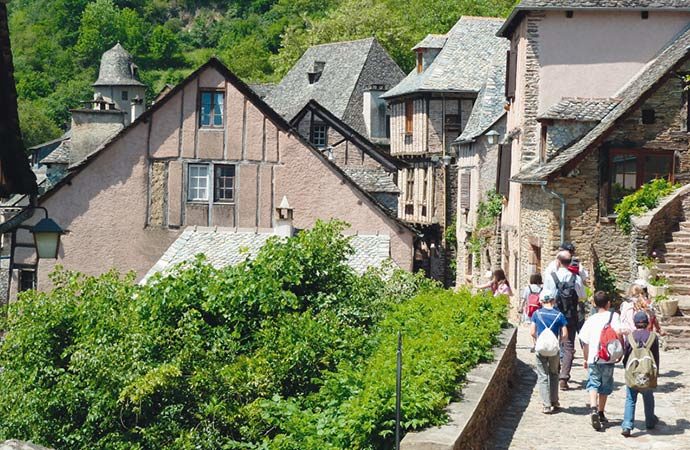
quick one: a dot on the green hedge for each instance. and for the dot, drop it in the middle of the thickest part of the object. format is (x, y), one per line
(291, 350)
(647, 197)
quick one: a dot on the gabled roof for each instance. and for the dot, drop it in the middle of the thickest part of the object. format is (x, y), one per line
(230, 246)
(340, 65)
(349, 133)
(259, 103)
(60, 155)
(462, 63)
(580, 109)
(632, 95)
(372, 179)
(537, 5)
(489, 106)
(263, 90)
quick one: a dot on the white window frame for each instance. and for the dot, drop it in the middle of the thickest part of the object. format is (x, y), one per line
(196, 193)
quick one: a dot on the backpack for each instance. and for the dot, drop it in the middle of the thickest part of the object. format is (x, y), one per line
(610, 346)
(547, 343)
(566, 297)
(533, 302)
(641, 370)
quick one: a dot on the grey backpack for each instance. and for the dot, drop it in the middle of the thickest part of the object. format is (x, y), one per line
(641, 371)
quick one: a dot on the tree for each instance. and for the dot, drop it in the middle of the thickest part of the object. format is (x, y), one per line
(163, 44)
(36, 125)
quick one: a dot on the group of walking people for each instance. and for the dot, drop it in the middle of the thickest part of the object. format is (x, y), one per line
(557, 307)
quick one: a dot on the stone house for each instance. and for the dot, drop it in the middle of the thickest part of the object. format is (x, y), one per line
(589, 123)
(347, 79)
(479, 157)
(429, 110)
(208, 153)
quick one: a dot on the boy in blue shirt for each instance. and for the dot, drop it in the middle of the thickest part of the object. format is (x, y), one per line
(548, 367)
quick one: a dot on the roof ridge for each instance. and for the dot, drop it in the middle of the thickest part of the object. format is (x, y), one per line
(370, 38)
(487, 18)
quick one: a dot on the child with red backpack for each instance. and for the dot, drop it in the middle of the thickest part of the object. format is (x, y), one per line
(530, 299)
(603, 347)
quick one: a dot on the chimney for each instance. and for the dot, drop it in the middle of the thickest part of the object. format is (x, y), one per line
(137, 108)
(284, 226)
(316, 71)
(92, 126)
(375, 111)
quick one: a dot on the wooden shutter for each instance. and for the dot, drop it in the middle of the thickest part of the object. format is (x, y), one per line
(409, 114)
(465, 186)
(511, 73)
(503, 182)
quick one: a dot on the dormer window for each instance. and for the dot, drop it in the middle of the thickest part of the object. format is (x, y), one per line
(420, 62)
(316, 71)
(211, 110)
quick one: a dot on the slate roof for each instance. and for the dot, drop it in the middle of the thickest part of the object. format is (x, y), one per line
(60, 155)
(374, 180)
(344, 62)
(631, 96)
(231, 246)
(263, 90)
(462, 64)
(488, 108)
(527, 5)
(432, 41)
(580, 109)
(117, 68)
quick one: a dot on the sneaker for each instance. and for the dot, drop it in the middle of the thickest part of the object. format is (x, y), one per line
(564, 385)
(602, 417)
(596, 421)
(547, 410)
(625, 432)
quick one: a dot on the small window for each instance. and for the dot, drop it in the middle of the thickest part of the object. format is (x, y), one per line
(211, 111)
(648, 116)
(224, 183)
(409, 114)
(27, 280)
(569, 14)
(420, 62)
(409, 190)
(645, 15)
(630, 169)
(319, 135)
(197, 183)
(125, 95)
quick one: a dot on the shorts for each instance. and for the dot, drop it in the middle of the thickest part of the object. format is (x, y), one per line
(600, 378)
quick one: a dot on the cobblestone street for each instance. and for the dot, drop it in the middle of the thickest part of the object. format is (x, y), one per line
(523, 426)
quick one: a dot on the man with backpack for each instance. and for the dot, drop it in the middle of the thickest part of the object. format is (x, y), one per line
(603, 347)
(641, 363)
(548, 324)
(567, 288)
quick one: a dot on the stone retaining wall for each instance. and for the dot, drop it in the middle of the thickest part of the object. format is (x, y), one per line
(483, 397)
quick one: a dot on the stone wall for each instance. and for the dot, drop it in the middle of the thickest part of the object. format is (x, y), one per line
(483, 398)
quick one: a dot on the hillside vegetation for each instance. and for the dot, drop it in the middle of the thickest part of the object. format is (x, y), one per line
(291, 351)
(57, 43)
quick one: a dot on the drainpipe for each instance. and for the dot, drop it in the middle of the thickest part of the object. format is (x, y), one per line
(562, 200)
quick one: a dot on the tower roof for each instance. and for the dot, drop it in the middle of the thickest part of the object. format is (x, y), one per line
(117, 68)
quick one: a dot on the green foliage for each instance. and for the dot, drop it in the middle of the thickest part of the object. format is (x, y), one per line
(289, 350)
(641, 201)
(659, 281)
(489, 210)
(36, 126)
(604, 279)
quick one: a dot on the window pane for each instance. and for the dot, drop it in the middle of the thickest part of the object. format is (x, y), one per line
(623, 177)
(224, 183)
(206, 99)
(657, 166)
(197, 188)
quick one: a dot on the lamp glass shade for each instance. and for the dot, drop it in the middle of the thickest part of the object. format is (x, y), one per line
(47, 238)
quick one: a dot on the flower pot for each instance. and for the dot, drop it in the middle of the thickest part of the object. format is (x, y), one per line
(668, 308)
(656, 291)
(646, 273)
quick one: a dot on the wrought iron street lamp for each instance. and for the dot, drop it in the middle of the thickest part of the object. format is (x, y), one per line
(47, 237)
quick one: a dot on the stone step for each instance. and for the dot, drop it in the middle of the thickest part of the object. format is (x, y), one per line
(671, 343)
(682, 321)
(673, 267)
(677, 331)
(682, 234)
(679, 289)
(677, 257)
(679, 246)
(683, 303)
(684, 226)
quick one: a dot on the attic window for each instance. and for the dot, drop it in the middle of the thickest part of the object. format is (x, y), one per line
(316, 71)
(420, 62)
(645, 14)
(648, 116)
(569, 14)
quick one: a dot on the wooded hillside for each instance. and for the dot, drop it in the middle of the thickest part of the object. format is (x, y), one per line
(57, 43)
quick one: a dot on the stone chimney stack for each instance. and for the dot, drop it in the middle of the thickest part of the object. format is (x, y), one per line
(375, 111)
(284, 226)
(92, 126)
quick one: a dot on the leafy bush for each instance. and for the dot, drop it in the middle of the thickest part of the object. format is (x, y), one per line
(604, 280)
(641, 201)
(290, 350)
(489, 210)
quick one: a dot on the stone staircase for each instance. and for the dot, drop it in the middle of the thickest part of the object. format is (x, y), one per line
(676, 268)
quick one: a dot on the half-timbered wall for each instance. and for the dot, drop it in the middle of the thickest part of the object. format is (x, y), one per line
(416, 184)
(409, 143)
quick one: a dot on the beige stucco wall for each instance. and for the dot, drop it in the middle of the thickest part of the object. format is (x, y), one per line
(594, 54)
(129, 203)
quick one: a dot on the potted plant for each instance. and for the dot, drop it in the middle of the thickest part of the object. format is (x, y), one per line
(658, 286)
(667, 306)
(646, 269)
